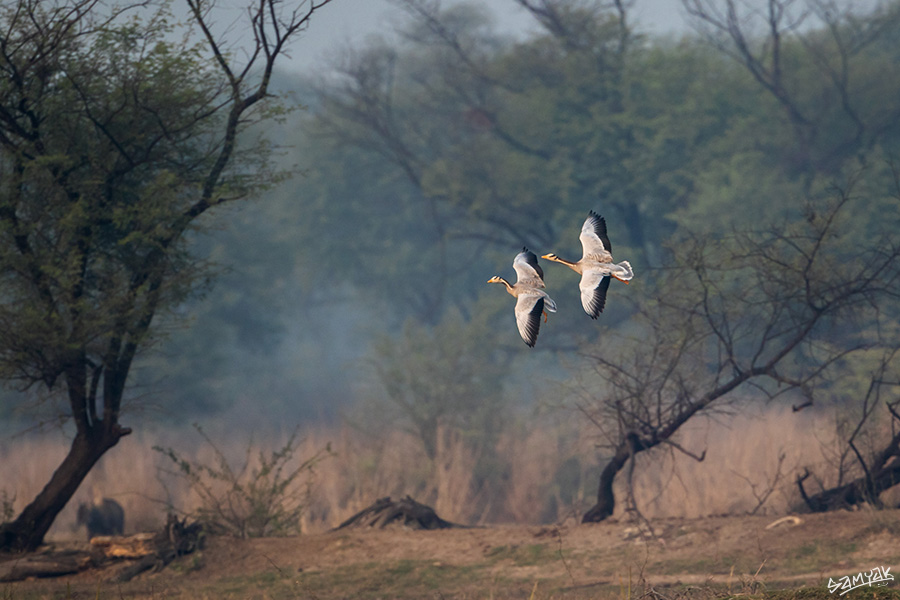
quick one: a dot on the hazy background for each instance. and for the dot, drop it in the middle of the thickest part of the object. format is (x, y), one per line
(350, 22)
(352, 304)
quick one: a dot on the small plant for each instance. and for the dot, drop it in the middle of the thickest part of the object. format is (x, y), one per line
(189, 565)
(267, 499)
(6, 507)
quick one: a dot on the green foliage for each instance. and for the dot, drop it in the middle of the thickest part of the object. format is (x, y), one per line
(447, 376)
(6, 507)
(108, 142)
(261, 499)
(655, 134)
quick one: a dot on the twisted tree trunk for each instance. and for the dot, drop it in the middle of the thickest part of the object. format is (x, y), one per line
(606, 499)
(27, 531)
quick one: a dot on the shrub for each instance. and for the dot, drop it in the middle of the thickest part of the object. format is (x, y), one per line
(254, 500)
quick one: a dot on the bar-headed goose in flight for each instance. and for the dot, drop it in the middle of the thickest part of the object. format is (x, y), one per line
(531, 300)
(596, 265)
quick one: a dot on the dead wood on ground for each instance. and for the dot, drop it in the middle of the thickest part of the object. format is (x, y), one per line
(405, 512)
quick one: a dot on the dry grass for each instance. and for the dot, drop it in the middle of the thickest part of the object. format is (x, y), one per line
(749, 457)
(540, 472)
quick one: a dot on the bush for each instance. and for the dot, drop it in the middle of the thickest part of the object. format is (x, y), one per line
(267, 499)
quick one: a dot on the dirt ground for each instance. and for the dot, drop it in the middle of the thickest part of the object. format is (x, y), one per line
(680, 558)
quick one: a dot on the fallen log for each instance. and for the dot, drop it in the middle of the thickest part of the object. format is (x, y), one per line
(135, 569)
(147, 550)
(405, 512)
(45, 565)
(132, 546)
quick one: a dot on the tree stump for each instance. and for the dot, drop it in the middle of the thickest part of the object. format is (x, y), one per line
(177, 538)
(403, 513)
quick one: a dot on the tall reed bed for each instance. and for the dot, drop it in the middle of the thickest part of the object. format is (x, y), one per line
(540, 470)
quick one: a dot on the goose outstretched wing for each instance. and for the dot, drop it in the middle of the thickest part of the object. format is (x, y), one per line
(528, 270)
(594, 285)
(594, 239)
(529, 308)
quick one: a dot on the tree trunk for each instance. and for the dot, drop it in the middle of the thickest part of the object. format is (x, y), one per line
(606, 500)
(27, 532)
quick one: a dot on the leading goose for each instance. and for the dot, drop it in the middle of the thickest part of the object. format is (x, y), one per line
(531, 300)
(596, 265)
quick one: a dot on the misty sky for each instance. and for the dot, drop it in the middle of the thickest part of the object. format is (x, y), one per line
(349, 22)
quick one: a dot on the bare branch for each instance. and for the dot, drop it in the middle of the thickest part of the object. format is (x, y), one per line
(749, 312)
(698, 457)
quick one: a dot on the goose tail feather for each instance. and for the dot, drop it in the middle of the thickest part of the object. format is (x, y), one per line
(625, 271)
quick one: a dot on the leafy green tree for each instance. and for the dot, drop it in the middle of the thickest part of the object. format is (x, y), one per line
(114, 143)
(448, 376)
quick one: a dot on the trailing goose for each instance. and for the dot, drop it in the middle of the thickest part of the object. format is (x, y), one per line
(531, 300)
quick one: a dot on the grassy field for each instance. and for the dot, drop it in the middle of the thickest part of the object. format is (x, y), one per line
(714, 557)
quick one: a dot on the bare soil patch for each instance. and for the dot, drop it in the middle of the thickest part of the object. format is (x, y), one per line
(687, 558)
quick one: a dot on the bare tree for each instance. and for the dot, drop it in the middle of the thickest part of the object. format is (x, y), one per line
(766, 311)
(113, 143)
